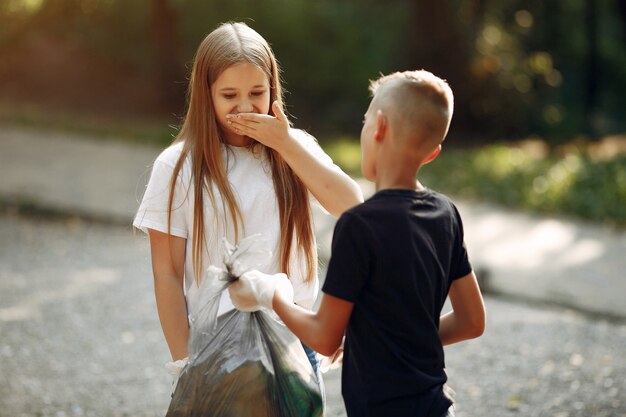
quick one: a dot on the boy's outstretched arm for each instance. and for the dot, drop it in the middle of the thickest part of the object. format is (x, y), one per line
(322, 331)
(467, 318)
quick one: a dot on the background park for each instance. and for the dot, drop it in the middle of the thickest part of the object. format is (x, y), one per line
(538, 136)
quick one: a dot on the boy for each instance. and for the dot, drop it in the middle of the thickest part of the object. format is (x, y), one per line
(395, 259)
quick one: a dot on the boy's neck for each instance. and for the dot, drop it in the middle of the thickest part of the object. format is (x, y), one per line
(415, 185)
(397, 167)
(398, 176)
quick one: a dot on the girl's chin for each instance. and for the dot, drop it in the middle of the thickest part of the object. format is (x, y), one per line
(234, 139)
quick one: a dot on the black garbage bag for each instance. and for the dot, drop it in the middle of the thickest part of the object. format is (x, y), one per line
(243, 364)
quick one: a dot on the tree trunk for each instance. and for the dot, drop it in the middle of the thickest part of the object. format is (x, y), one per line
(621, 8)
(592, 68)
(167, 55)
(436, 44)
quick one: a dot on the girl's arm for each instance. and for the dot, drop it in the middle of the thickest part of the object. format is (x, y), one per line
(168, 260)
(334, 189)
(467, 318)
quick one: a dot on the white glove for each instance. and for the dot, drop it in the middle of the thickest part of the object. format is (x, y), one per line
(174, 369)
(254, 290)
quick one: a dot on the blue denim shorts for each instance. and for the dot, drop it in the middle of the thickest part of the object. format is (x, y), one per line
(312, 355)
(315, 363)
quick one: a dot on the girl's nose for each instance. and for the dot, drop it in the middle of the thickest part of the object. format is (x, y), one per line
(245, 107)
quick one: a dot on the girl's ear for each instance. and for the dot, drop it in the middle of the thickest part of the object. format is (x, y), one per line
(381, 126)
(433, 155)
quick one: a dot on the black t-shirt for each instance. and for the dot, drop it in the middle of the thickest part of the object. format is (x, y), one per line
(395, 257)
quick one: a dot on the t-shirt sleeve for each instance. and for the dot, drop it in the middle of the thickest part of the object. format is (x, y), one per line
(350, 262)
(460, 264)
(310, 144)
(152, 212)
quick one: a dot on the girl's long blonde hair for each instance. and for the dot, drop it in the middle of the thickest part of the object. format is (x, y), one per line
(229, 44)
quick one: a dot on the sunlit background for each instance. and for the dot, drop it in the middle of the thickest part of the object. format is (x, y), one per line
(518, 67)
(550, 73)
(91, 90)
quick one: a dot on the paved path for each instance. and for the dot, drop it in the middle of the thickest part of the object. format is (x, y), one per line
(96, 178)
(546, 259)
(56, 283)
(79, 336)
(541, 258)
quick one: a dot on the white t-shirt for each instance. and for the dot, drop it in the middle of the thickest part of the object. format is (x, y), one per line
(250, 177)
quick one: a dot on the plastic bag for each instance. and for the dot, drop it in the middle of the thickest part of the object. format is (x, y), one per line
(243, 364)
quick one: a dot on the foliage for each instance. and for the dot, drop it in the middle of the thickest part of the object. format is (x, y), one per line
(346, 153)
(577, 179)
(149, 132)
(517, 67)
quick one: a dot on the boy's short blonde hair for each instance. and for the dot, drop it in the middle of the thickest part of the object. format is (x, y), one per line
(421, 104)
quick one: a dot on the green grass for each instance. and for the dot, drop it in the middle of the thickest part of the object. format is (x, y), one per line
(346, 153)
(579, 180)
(136, 130)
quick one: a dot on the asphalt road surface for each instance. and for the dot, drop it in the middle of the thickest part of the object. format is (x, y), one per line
(79, 336)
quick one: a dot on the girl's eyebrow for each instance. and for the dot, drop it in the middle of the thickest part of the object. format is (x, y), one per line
(235, 89)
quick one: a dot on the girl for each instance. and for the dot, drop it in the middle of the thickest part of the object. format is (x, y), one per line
(237, 168)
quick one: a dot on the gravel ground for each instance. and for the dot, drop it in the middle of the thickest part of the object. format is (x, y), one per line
(79, 336)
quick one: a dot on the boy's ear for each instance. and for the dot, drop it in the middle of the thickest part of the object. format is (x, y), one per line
(433, 155)
(381, 126)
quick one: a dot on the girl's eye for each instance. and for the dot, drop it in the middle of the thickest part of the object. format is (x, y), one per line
(229, 96)
(258, 93)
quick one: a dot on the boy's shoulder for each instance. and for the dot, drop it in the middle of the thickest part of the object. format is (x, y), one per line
(373, 212)
(390, 200)
(389, 206)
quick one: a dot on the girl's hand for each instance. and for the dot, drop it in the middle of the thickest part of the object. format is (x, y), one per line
(269, 130)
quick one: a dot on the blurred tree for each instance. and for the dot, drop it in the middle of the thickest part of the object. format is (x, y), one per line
(167, 54)
(436, 43)
(517, 67)
(621, 8)
(592, 76)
